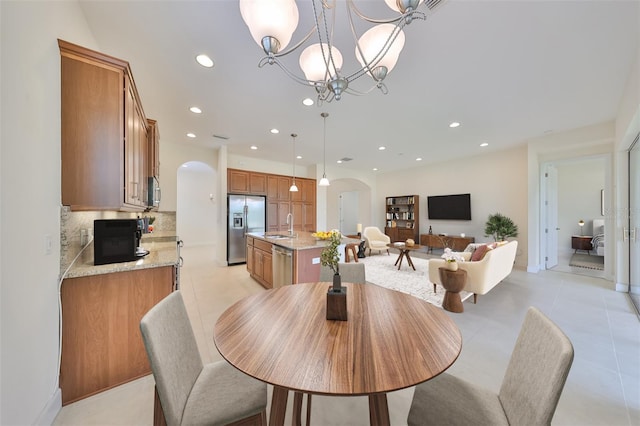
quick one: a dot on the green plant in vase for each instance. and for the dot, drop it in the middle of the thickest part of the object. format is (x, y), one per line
(500, 227)
(330, 258)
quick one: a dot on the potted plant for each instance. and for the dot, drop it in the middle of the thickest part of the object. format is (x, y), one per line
(500, 227)
(330, 257)
(452, 259)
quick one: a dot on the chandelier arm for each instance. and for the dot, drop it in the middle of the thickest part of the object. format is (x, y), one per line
(300, 43)
(273, 60)
(413, 14)
(329, 63)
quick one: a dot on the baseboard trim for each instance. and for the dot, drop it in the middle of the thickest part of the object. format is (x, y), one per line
(624, 288)
(533, 269)
(51, 410)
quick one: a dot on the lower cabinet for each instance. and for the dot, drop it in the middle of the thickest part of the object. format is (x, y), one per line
(101, 341)
(262, 262)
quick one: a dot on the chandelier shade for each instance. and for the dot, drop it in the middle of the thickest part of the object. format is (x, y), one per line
(320, 62)
(273, 22)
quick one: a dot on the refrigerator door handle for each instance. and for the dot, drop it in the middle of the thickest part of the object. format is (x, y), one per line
(245, 209)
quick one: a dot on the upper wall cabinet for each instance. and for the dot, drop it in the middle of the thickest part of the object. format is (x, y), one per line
(105, 134)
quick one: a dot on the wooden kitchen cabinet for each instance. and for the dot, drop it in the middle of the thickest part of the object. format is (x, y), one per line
(262, 269)
(101, 342)
(153, 156)
(280, 201)
(246, 182)
(104, 133)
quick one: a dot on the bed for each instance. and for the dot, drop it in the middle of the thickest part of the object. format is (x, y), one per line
(598, 237)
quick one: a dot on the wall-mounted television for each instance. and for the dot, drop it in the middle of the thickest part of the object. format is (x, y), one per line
(449, 207)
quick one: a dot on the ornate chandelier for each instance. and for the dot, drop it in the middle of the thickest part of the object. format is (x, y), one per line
(272, 23)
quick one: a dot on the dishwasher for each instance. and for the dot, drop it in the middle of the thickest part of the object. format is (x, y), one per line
(282, 266)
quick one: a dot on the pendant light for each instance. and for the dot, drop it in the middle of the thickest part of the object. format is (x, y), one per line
(324, 181)
(293, 187)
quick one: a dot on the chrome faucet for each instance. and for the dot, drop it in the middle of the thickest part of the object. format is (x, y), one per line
(290, 223)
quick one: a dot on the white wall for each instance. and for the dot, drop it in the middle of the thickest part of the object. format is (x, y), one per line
(497, 182)
(30, 203)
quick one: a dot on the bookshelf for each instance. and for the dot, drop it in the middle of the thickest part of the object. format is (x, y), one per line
(402, 217)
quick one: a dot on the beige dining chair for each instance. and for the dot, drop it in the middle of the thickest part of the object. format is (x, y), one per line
(349, 273)
(189, 392)
(375, 239)
(530, 390)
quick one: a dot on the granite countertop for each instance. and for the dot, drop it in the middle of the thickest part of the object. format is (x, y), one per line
(163, 251)
(301, 240)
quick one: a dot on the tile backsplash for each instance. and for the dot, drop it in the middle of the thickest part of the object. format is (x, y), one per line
(71, 224)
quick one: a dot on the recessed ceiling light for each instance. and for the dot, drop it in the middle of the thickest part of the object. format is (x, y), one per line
(419, 159)
(274, 131)
(195, 110)
(191, 135)
(382, 148)
(205, 61)
(375, 169)
(254, 147)
(299, 157)
(454, 124)
(308, 101)
(484, 144)
(339, 161)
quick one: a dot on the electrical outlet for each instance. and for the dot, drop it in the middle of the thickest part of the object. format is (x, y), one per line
(315, 260)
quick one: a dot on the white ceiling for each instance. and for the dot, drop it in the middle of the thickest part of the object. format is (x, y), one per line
(506, 70)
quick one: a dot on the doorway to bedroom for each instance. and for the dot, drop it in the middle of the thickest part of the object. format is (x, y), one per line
(574, 215)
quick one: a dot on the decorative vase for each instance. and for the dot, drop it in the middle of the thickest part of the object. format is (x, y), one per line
(337, 300)
(452, 266)
(337, 282)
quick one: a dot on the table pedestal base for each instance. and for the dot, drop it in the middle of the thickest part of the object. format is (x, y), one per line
(337, 304)
(453, 282)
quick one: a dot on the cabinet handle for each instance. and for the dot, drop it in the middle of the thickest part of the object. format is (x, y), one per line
(134, 190)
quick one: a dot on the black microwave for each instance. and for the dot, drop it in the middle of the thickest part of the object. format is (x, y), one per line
(115, 240)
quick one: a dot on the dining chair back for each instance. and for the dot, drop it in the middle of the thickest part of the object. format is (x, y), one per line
(189, 391)
(530, 390)
(349, 272)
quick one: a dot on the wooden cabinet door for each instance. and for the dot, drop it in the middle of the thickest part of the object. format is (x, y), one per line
(238, 181)
(267, 269)
(284, 183)
(272, 187)
(309, 191)
(250, 251)
(309, 217)
(284, 209)
(92, 133)
(272, 215)
(257, 183)
(297, 209)
(153, 147)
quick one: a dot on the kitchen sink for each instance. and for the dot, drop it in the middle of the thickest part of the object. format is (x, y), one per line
(279, 236)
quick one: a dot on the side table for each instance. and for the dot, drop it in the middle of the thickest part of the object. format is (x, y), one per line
(581, 242)
(453, 282)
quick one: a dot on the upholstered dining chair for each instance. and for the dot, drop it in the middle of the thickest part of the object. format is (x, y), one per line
(189, 392)
(375, 239)
(530, 390)
(349, 272)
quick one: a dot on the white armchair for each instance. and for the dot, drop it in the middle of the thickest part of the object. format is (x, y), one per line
(375, 239)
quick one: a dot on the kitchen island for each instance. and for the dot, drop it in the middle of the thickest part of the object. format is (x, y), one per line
(276, 258)
(102, 306)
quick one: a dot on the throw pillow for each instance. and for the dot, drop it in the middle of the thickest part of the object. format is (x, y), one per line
(479, 253)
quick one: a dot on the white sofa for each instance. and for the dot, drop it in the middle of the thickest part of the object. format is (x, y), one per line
(482, 275)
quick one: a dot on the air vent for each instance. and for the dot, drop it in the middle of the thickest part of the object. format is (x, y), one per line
(221, 137)
(345, 159)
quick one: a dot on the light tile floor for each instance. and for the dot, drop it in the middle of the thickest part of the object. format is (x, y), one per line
(603, 387)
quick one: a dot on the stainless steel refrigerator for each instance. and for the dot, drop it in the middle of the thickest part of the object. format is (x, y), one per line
(245, 213)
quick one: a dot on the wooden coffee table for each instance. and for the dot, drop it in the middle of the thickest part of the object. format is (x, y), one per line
(390, 341)
(404, 253)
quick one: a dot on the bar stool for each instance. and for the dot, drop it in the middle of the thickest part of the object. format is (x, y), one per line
(353, 249)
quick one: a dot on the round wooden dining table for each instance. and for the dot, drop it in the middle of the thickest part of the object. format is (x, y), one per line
(390, 341)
